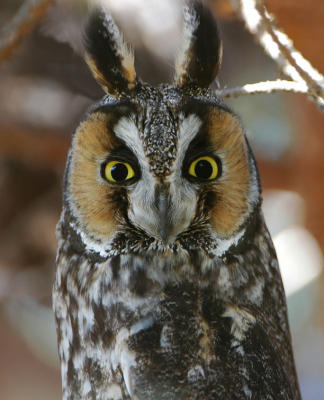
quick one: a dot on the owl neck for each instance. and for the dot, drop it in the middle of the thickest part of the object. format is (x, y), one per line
(133, 242)
(227, 264)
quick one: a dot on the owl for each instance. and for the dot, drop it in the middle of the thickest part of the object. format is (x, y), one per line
(167, 284)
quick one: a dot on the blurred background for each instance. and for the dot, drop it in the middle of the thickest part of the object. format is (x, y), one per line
(45, 87)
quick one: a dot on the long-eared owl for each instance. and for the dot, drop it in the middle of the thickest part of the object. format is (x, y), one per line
(167, 283)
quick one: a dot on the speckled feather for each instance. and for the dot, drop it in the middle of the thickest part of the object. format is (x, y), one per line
(185, 306)
(201, 314)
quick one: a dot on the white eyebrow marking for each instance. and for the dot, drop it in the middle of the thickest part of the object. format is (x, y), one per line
(126, 130)
(188, 130)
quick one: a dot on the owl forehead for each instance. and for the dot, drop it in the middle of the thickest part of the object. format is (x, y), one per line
(159, 123)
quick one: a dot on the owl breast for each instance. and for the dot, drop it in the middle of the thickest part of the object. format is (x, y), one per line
(149, 326)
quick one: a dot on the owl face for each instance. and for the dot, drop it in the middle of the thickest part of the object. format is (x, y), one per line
(158, 162)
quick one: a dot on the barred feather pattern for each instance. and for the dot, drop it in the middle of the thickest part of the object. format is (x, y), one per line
(173, 324)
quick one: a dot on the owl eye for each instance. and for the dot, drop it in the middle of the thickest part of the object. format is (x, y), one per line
(118, 171)
(205, 168)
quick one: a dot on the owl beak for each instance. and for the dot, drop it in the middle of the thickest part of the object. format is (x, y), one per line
(163, 214)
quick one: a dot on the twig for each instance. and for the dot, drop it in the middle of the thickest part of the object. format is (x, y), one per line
(306, 71)
(21, 25)
(264, 87)
(280, 48)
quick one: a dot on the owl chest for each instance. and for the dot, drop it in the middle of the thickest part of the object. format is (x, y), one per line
(185, 344)
(150, 335)
(163, 299)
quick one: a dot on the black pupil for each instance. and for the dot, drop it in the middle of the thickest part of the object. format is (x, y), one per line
(119, 172)
(203, 169)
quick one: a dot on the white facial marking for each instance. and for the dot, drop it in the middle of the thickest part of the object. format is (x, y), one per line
(126, 130)
(224, 244)
(188, 130)
(91, 245)
(143, 211)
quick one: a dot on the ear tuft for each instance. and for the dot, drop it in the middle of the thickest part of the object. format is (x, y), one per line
(199, 61)
(110, 59)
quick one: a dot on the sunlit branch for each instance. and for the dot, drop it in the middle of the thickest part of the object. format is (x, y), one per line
(280, 48)
(264, 87)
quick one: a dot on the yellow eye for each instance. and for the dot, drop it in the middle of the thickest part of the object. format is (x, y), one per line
(118, 171)
(204, 168)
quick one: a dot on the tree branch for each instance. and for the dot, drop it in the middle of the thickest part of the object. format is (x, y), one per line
(280, 48)
(21, 25)
(264, 87)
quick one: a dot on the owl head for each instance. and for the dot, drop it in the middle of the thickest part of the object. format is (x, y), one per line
(164, 166)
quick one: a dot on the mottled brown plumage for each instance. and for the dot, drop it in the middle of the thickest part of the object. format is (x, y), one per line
(167, 283)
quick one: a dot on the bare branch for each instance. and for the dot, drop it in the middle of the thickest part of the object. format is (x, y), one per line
(21, 25)
(264, 87)
(306, 71)
(280, 48)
